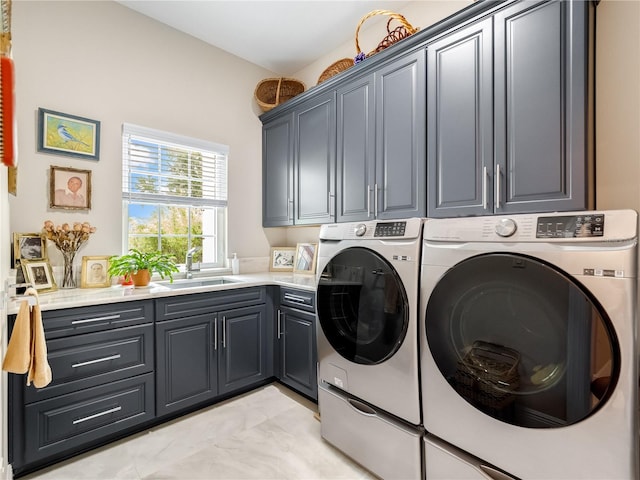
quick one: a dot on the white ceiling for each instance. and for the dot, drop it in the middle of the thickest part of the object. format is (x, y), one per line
(282, 36)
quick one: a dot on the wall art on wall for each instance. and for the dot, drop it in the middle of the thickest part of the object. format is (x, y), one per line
(69, 188)
(94, 272)
(64, 134)
(305, 261)
(39, 274)
(282, 259)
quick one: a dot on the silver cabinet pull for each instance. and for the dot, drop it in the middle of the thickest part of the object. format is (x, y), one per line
(278, 323)
(215, 334)
(368, 201)
(295, 298)
(289, 209)
(331, 204)
(224, 331)
(97, 360)
(497, 186)
(96, 415)
(96, 319)
(484, 187)
(375, 200)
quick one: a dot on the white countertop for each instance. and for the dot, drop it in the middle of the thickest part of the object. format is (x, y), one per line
(80, 297)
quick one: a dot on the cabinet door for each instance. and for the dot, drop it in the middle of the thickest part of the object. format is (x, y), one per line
(314, 154)
(540, 106)
(298, 351)
(400, 188)
(244, 347)
(460, 122)
(186, 362)
(355, 157)
(277, 172)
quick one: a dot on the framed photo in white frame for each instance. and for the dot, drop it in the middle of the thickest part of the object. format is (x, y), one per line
(39, 274)
(282, 259)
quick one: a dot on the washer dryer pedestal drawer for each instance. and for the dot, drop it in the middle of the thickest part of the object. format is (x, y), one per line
(446, 462)
(379, 442)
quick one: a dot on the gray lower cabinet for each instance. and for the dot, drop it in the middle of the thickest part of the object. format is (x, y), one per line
(381, 169)
(296, 341)
(298, 152)
(507, 128)
(102, 362)
(210, 344)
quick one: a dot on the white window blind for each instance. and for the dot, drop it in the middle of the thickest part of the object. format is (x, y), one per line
(165, 168)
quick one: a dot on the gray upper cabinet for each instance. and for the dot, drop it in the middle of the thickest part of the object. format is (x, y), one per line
(507, 100)
(298, 152)
(460, 122)
(314, 160)
(381, 170)
(277, 172)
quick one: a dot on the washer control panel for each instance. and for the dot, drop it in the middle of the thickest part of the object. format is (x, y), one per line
(390, 229)
(574, 226)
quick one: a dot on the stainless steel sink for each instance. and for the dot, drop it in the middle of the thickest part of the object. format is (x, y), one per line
(196, 282)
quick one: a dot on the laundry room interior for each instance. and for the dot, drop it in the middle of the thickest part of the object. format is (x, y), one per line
(384, 239)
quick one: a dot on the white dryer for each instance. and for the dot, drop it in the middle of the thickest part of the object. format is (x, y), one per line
(529, 356)
(367, 306)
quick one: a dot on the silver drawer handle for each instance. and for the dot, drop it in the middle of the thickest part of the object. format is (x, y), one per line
(295, 298)
(91, 417)
(97, 360)
(97, 319)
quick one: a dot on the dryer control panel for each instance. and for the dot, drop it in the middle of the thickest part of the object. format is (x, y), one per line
(573, 226)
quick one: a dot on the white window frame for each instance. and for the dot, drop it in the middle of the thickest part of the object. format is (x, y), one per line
(215, 245)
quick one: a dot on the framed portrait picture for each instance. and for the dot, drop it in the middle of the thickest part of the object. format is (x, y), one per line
(94, 272)
(282, 259)
(39, 274)
(69, 188)
(305, 260)
(64, 134)
(28, 246)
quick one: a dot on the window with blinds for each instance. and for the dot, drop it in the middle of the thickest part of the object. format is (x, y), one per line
(174, 190)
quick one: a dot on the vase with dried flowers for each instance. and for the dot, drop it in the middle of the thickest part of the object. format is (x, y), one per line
(68, 239)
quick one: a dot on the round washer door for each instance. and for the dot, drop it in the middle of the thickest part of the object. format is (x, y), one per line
(362, 306)
(522, 341)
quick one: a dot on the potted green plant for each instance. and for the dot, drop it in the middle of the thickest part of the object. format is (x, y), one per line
(140, 266)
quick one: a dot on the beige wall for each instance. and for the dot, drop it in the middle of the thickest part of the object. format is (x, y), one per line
(618, 104)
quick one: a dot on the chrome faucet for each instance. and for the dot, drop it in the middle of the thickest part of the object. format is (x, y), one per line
(189, 262)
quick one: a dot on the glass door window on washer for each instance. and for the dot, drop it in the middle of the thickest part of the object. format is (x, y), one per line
(362, 306)
(522, 341)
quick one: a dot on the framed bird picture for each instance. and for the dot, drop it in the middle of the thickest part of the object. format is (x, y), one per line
(63, 134)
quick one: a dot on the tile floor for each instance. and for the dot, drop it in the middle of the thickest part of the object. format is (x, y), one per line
(269, 433)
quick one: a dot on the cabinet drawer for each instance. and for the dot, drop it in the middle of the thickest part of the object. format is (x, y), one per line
(169, 308)
(74, 321)
(70, 421)
(88, 360)
(300, 299)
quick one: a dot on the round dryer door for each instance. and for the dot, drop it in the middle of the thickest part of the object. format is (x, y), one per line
(362, 306)
(522, 341)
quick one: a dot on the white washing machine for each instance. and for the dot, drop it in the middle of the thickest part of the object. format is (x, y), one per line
(367, 306)
(529, 356)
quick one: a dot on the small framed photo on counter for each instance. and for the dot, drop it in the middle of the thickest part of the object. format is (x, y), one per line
(39, 274)
(95, 272)
(282, 259)
(305, 261)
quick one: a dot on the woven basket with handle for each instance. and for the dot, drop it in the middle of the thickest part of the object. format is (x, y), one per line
(271, 92)
(335, 68)
(403, 31)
